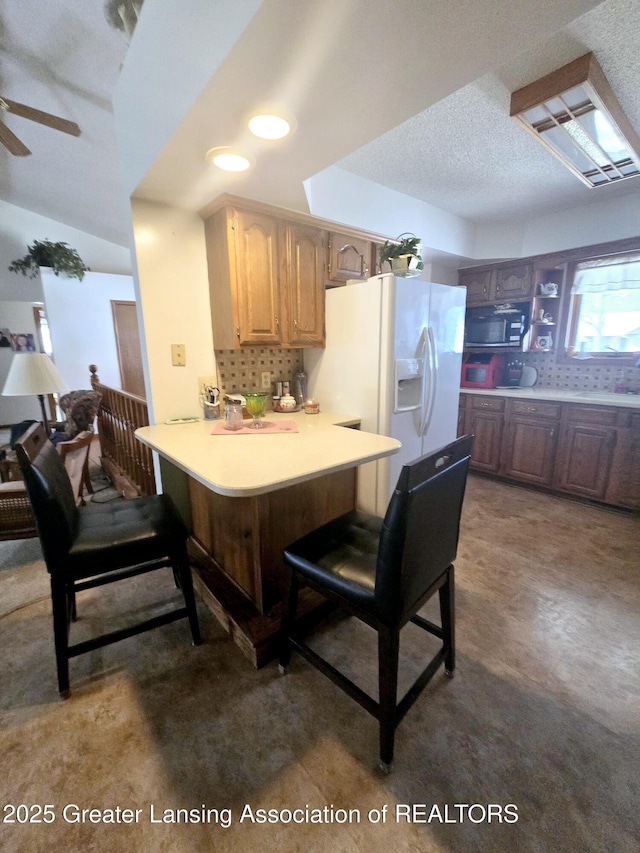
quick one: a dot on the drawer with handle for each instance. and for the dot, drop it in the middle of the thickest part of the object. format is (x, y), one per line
(490, 404)
(537, 409)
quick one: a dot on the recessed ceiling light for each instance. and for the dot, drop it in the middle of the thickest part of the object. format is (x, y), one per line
(269, 126)
(228, 160)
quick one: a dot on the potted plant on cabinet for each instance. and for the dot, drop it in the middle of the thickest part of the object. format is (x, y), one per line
(43, 253)
(403, 255)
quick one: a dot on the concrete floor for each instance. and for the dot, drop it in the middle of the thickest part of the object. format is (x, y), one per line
(542, 715)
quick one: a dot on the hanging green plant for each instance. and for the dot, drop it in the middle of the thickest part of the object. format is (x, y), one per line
(60, 257)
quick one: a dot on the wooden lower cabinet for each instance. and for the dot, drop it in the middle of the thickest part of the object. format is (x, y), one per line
(236, 550)
(529, 443)
(584, 450)
(624, 482)
(485, 419)
(585, 459)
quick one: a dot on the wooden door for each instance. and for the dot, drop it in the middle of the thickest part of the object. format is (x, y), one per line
(257, 287)
(125, 323)
(305, 286)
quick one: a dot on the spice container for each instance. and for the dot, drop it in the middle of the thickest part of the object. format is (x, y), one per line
(311, 407)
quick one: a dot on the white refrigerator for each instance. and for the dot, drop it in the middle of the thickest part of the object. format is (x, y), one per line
(393, 356)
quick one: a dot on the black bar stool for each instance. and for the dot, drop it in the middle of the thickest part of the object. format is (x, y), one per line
(383, 571)
(88, 546)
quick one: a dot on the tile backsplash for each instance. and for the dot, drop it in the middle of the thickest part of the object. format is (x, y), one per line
(582, 376)
(240, 370)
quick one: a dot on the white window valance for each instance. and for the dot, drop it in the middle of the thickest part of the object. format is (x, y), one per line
(607, 275)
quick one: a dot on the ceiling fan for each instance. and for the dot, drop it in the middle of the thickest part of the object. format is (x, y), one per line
(11, 141)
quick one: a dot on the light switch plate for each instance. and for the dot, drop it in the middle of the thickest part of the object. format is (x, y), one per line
(265, 380)
(178, 355)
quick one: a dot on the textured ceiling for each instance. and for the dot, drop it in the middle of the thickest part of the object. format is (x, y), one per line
(463, 154)
(467, 156)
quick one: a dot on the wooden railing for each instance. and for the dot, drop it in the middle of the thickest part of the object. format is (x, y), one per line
(127, 461)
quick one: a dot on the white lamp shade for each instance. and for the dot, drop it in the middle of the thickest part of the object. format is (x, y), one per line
(32, 373)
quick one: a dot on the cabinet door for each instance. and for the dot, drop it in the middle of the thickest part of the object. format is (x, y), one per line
(530, 450)
(305, 287)
(529, 445)
(624, 482)
(585, 457)
(478, 285)
(485, 420)
(349, 258)
(514, 282)
(257, 289)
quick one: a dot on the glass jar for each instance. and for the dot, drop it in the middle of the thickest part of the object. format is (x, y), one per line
(233, 415)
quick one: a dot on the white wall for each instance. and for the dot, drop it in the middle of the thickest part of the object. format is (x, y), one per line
(172, 288)
(81, 323)
(602, 220)
(20, 227)
(343, 197)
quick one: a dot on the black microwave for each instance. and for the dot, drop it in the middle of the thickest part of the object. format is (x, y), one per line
(498, 329)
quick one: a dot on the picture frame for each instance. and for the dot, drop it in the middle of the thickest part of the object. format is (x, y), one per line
(23, 342)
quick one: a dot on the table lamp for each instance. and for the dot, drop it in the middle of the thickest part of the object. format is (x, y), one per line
(33, 373)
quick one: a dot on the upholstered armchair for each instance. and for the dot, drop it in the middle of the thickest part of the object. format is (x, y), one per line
(80, 409)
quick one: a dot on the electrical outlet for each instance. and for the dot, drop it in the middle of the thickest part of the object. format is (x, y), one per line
(265, 380)
(178, 355)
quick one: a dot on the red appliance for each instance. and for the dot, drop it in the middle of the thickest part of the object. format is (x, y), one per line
(482, 370)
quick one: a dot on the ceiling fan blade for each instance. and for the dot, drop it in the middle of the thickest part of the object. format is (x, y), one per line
(12, 143)
(47, 119)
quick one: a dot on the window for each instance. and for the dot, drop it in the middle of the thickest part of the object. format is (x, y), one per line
(604, 309)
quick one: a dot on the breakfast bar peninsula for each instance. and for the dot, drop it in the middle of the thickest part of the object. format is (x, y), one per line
(251, 493)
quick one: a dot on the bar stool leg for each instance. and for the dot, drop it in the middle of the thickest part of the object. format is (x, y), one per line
(447, 615)
(288, 621)
(388, 651)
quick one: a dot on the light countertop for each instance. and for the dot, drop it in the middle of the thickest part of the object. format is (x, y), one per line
(562, 395)
(241, 465)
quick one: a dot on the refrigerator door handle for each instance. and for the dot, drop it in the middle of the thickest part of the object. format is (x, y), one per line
(432, 363)
(423, 346)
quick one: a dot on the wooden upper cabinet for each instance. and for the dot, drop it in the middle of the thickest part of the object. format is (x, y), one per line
(514, 282)
(257, 291)
(304, 314)
(349, 258)
(493, 284)
(478, 284)
(266, 280)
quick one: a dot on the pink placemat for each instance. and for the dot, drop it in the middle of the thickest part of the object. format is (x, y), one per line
(269, 428)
